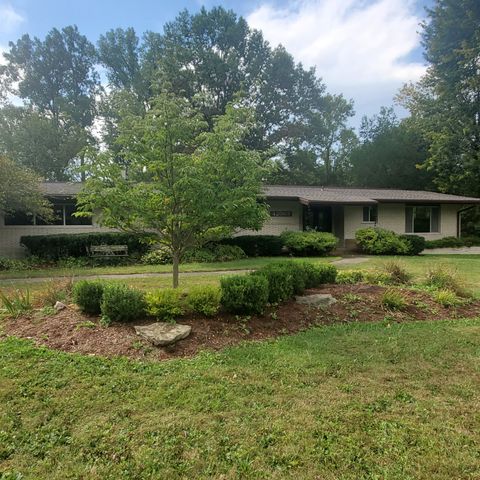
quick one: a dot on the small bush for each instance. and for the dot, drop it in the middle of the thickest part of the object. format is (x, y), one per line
(244, 294)
(87, 294)
(318, 274)
(121, 303)
(416, 243)
(204, 299)
(165, 304)
(442, 277)
(377, 278)
(350, 277)
(453, 242)
(397, 272)
(214, 252)
(16, 303)
(447, 298)
(280, 282)
(377, 241)
(159, 256)
(309, 243)
(393, 300)
(257, 245)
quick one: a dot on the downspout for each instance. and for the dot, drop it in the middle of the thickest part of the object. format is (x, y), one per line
(459, 220)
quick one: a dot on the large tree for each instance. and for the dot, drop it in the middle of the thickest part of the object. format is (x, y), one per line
(181, 183)
(445, 104)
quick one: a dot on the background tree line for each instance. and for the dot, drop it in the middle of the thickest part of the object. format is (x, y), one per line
(75, 94)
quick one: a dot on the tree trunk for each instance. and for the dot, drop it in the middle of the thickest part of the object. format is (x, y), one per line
(176, 262)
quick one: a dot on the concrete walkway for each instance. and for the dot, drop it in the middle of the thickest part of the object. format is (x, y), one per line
(351, 261)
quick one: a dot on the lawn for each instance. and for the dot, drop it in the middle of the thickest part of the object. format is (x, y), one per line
(357, 401)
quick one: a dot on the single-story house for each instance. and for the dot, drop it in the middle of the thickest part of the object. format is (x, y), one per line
(341, 211)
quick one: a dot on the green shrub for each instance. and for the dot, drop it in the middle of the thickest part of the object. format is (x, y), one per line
(53, 247)
(204, 299)
(442, 277)
(447, 298)
(350, 277)
(214, 252)
(257, 245)
(416, 243)
(121, 303)
(159, 256)
(377, 278)
(453, 242)
(87, 294)
(165, 304)
(244, 294)
(280, 282)
(309, 243)
(318, 274)
(377, 241)
(393, 300)
(397, 272)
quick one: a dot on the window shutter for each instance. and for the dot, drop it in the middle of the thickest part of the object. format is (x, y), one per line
(408, 219)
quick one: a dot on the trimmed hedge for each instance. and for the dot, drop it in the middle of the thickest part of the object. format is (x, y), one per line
(377, 241)
(165, 304)
(257, 245)
(244, 294)
(453, 242)
(121, 303)
(53, 247)
(310, 243)
(88, 295)
(416, 243)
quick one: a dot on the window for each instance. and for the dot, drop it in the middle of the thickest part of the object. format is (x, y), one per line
(63, 211)
(422, 219)
(370, 214)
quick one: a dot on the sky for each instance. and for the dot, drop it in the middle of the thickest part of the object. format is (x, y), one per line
(364, 49)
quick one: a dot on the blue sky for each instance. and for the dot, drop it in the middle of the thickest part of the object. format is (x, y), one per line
(365, 49)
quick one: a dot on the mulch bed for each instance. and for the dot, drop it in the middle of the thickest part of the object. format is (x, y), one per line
(71, 331)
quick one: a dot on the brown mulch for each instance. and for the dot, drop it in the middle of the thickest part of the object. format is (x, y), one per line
(71, 331)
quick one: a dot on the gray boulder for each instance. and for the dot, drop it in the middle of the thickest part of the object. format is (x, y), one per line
(317, 300)
(161, 333)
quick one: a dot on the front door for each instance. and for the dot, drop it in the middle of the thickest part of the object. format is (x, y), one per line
(318, 218)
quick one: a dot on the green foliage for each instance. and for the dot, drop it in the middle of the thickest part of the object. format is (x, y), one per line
(244, 294)
(309, 243)
(280, 281)
(165, 304)
(447, 298)
(87, 294)
(376, 277)
(397, 272)
(453, 242)
(55, 247)
(121, 303)
(16, 303)
(204, 299)
(55, 290)
(443, 277)
(416, 243)
(377, 241)
(159, 256)
(350, 277)
(258, 245)
(317, 274)
(392, 299)
(214, 252)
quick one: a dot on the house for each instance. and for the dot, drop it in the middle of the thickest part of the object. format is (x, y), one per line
(341, 211)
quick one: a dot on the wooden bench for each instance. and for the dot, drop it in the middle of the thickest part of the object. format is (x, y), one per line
(108, 251)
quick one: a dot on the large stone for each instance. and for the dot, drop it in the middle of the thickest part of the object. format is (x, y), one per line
(161, 333)
(317, 300)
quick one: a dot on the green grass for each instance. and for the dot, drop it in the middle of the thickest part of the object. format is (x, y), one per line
(247, 263)
(357, 401)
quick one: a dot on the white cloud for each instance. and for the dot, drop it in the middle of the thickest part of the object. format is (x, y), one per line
(9, 19)
(358, 47)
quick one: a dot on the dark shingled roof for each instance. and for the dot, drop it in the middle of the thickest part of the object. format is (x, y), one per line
(360, 195)
(307, 195)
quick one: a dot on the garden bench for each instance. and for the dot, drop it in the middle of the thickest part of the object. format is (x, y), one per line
(108, 250)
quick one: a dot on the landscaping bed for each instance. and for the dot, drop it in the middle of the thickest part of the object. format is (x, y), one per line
(71, 331)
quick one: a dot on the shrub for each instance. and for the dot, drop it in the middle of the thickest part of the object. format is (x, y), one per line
(393, 300)
(280, 282)
(318, 274)
(244, 293)
(165, 304)
(377, 241)
(214, 252)
(121, 303)
(397, 272)
(444, 278)
(350, 277)
(204, 299)
(17, 302)
(53, 247)
(377, 278)
(257, 245)
(309, 243)
(452, 242)
(416, 243)
(159, 256)
(447, 298)
(87, 294)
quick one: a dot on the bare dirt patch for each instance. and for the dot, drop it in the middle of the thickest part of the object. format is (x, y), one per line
(71, 331)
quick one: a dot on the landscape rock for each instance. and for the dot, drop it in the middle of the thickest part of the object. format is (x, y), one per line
(161, 333)
(317, 300)
(59, 306)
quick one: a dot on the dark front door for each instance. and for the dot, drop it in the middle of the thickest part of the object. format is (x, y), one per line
(318, 218)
